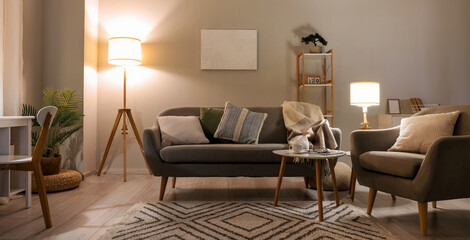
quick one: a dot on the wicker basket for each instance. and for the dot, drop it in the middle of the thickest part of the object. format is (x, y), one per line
(51, 165)
(66, 179)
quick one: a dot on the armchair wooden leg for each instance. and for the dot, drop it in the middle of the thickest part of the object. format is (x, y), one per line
(423, 217)
(173, 182)
(434, 204)
(162, 187)
(306, 182)
(393, 197)
(370, 203)
(352, 185)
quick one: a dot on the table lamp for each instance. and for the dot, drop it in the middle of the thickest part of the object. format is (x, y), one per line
(365, 94)
(124, 51)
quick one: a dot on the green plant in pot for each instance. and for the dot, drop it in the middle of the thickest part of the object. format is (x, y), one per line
(67, 121)
(314, 38)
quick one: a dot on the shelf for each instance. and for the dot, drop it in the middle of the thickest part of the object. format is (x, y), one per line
(317, 80)
(5, 159)
(316, 85)
(14, 191)
(317, 54)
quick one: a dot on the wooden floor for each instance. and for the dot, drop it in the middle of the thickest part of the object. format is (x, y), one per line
(88, 211)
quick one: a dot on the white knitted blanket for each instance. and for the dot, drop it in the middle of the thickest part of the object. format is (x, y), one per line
(305, 121)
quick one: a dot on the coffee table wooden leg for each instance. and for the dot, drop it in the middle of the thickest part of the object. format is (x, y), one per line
(333, 178)
(352, 185)
(279, 180)
(319, 189)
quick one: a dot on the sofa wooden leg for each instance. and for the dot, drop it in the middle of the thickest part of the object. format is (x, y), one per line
(306, 182)
(423, 217)
(393, 197)
(434, 204)
(370, 203)
(173, 182)
(162, 187)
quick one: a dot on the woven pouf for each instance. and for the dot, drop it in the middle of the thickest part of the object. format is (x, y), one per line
(66, 179)
(343, 176)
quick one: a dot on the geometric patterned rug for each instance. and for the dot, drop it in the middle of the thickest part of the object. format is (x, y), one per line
(245, 220)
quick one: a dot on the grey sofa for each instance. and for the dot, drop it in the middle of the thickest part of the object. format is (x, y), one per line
(223, 160)
(442, 173)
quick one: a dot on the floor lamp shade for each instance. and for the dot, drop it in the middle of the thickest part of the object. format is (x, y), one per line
(365, 94)
(124, 51)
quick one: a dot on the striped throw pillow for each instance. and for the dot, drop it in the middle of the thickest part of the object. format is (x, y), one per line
(418, 133)
(240, 125)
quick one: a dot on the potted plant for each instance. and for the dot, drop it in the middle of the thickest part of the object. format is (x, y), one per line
(67, 121)
(314, 38)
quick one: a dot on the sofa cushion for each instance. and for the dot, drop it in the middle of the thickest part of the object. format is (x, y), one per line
(222, 153)
(181, 130)
(400, 164)
(240, 124)
(210, 119)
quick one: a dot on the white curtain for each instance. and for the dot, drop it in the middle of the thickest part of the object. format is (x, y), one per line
(11, 57)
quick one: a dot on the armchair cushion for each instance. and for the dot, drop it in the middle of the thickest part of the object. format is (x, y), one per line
(400, 164)
(418, 133)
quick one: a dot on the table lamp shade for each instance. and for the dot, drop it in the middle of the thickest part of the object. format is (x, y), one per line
(124, 51)
(365, 94)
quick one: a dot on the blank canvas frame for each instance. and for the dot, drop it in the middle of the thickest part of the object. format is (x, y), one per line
(229, 49)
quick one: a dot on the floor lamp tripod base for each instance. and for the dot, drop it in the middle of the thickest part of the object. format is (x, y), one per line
(123, 113)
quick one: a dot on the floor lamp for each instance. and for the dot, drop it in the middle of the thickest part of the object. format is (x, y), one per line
(124, 51)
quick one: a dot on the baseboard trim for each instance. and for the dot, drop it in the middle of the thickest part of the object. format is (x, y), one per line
(137, 171)
(90, 173)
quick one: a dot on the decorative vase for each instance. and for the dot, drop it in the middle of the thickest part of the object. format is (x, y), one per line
(315, 49)
(51, 165)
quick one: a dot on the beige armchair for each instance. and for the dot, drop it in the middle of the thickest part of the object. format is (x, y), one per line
(442, 173)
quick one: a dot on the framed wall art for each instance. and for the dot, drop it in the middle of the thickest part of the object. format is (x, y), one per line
(393, 106)
(229, 49)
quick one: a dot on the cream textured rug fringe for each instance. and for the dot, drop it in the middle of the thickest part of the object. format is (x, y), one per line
(245, 220)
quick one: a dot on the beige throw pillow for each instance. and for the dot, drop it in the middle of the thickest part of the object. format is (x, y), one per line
(178, 130)
(418, 133)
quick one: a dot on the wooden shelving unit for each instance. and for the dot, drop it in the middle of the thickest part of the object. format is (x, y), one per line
(325, 82)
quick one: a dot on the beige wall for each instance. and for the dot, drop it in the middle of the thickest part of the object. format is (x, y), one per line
(413, 48)
(63, 43)
(90, 86)
(32, 51)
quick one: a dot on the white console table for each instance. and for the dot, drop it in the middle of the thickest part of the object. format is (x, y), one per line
(390, 120)
(15, 138)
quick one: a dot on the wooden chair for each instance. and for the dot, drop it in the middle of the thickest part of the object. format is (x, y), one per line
(26, 163)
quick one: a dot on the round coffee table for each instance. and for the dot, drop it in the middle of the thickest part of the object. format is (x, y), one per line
(318, 157)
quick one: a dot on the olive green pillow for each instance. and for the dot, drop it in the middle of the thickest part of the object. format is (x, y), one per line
(210, 119)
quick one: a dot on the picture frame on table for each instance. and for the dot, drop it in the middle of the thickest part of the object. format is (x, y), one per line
(393, 106)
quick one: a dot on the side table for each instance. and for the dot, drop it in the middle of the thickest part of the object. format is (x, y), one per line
(318, 157)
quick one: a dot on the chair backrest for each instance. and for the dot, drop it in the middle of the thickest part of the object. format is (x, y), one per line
(462, 126)
(44, 117)
(42, 113)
